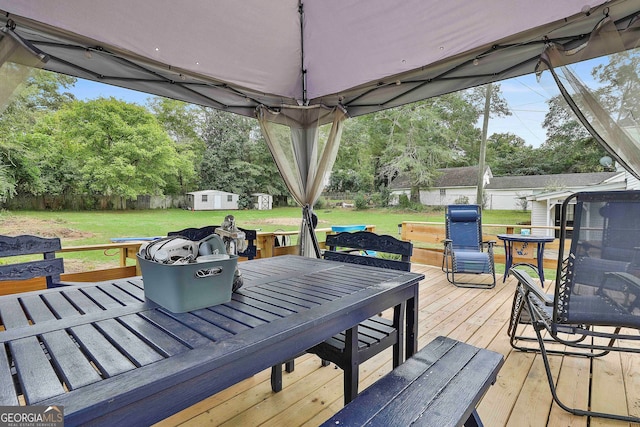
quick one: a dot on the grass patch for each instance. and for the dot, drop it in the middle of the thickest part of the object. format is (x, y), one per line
(95, 227)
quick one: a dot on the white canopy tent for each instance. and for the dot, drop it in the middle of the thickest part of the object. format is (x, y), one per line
(365, 55)
(302, 63)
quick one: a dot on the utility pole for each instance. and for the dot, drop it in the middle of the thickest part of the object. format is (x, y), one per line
(483, 144)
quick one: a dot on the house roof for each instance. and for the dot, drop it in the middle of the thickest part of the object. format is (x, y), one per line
(467, 176)
(563, 180)
(464, 176)
(195, 193)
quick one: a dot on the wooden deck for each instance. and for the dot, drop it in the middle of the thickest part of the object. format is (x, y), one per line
(521, 396)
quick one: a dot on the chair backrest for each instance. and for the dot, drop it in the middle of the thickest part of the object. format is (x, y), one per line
(598, 281)
(621, 222)
(347, 247)
(197, 234)
(49, 267)
(463, 224)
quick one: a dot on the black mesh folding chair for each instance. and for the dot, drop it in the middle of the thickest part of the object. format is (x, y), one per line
(597, 295)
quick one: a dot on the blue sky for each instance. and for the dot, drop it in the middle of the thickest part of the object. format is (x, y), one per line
(525, 96)
(87, 89)
(527, 100)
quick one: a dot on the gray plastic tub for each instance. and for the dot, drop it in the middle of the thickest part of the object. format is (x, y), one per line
(187, 287)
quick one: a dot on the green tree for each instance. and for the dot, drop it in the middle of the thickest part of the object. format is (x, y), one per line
(226, 136)
(56, 169)
(266, 177)
(419, 138)
(121, 149)
(569, 147)
(620, 90)
(182, 122)
(498, 107)
(41, 94)
(354, 167)
(227, 151)
(508, 154)
(236, 158)
(349, 180)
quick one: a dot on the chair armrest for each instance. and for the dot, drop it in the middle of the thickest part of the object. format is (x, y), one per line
(532, 287)
(628, 278)
(632, 284)
(588, 246)
(489, 244)
(635, 260)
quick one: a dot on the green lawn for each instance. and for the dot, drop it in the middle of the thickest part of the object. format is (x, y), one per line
(100, 226)
(92, 227)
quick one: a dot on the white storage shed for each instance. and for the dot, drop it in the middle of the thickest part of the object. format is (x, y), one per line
(208, 200)
(262, 201)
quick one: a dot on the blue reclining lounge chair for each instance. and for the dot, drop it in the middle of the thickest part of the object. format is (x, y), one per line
(464, 249)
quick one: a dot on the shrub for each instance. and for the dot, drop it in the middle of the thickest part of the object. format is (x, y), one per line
(361, 201)
(381, 199)
(485, 200)
(319, 204)
(462, 200)
(245, 202)
(404, 202)
(521, 202)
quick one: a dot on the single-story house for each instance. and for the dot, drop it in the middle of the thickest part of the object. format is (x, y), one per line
(207, 200)
(546, 206)
(262, 201)
(501, 192)
(543, 194)
(451, 186)
(510, 192)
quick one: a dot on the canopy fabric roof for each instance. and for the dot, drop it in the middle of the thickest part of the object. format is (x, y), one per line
(365, 55)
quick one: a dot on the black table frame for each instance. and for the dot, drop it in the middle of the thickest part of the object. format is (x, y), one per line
(288, 304)
(540, 241)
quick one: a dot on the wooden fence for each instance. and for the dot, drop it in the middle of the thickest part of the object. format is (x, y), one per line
(427, 238)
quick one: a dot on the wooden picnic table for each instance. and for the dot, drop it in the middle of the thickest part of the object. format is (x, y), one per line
(110, 357)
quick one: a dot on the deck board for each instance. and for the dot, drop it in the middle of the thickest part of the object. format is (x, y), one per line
(312, 393)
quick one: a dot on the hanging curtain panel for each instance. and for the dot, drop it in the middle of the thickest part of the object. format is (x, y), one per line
(304, 143)
(17, 58)
(603, 90)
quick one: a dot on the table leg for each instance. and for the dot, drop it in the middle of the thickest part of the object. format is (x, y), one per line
(399, 324)
(541, 262)
(412, 323)
(351, 369)
(508, 259)
(276, 378)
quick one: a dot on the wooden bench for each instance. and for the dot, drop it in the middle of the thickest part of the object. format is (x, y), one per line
(439, 386)
(49, 268)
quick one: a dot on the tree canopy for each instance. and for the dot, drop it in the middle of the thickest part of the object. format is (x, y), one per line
(51, 143)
